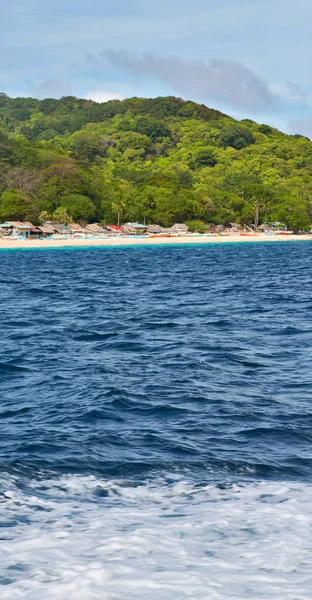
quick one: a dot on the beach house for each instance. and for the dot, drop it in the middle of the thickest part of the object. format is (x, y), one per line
(134, 228)
(23, 229)
(114, 229)
(76, 228)
(93, 228)
(59, 228)
(179, 228)
(46, 230)
(154, 229)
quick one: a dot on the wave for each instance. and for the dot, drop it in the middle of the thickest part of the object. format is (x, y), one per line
(84, 538)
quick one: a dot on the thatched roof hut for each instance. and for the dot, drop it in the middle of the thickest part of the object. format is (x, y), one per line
(93, 228)
(179, 228)
(46, 230)
(134, 228)
(75, 227)
(154, 229)
(60, 228)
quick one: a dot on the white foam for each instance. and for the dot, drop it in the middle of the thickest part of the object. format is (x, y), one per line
(80, 538)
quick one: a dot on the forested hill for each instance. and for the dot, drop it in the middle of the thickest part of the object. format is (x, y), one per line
(161, 160)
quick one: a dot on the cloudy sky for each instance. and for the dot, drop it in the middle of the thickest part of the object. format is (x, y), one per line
(249, 58)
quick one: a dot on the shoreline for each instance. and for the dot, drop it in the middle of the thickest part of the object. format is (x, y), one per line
(120, 242)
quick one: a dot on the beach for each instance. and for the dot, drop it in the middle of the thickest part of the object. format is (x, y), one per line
(7, 243)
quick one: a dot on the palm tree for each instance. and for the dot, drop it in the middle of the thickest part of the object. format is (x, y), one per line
(118, 207)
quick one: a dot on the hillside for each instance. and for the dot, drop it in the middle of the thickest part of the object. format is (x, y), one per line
(160, 160)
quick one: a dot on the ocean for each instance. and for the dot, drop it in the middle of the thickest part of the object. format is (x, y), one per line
(156, 423)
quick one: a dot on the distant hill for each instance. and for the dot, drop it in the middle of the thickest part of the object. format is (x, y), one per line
(159, 160)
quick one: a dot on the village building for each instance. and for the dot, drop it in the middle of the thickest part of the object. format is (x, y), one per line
(134, 228)
(35, 233)
(93, 228)
(46, 230)
(179, 228)
(22, 229)
(76, 228)
(154, 229)
(273, 227)
(115, 229)
(60, 229)
(235, 227)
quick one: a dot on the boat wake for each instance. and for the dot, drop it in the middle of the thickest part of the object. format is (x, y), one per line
(83, 538)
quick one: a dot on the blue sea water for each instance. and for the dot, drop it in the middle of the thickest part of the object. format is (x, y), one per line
(156, 423)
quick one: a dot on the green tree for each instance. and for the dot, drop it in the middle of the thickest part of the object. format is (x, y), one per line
(204, 157)
(266, 129)
(15, 205)
(153, 128)
(236, 136)
(118, 208)
(43, 217)
(197, 226)
(61, 216)
(80, 208)
(292, 212)
(88, 146)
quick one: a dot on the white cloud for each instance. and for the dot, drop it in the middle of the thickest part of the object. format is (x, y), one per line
(286, 90)
(257, 42)
(103, 96)
(221, 81)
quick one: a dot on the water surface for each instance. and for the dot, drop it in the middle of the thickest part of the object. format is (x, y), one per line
(155, 422)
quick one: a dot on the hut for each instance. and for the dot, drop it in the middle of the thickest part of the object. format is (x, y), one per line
(273, 227)
(179, 228)
(93, 228)
(134, 228)
(22, 229)
(60, 228)
(266, 227)
(76, 228)
(35, 233)
(235, 227)
(114, 229)
(46, 230)
(154, 229)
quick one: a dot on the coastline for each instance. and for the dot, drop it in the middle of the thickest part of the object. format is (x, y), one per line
(6, 244)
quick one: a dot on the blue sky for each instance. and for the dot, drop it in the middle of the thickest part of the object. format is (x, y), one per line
(249, 58)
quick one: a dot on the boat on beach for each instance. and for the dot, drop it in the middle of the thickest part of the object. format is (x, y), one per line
(247, 234)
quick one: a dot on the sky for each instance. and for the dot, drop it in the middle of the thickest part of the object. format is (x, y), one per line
(248, 58)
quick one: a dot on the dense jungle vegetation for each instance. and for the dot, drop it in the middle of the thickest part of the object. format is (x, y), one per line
(163, 160)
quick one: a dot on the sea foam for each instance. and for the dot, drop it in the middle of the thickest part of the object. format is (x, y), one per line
(83, 538)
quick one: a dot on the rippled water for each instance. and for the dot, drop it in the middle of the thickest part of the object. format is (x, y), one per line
(155, 423)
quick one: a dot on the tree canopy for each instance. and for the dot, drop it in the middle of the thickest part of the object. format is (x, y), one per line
(159, 160)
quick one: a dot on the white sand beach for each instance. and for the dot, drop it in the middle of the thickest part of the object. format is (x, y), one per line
(7, 243)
